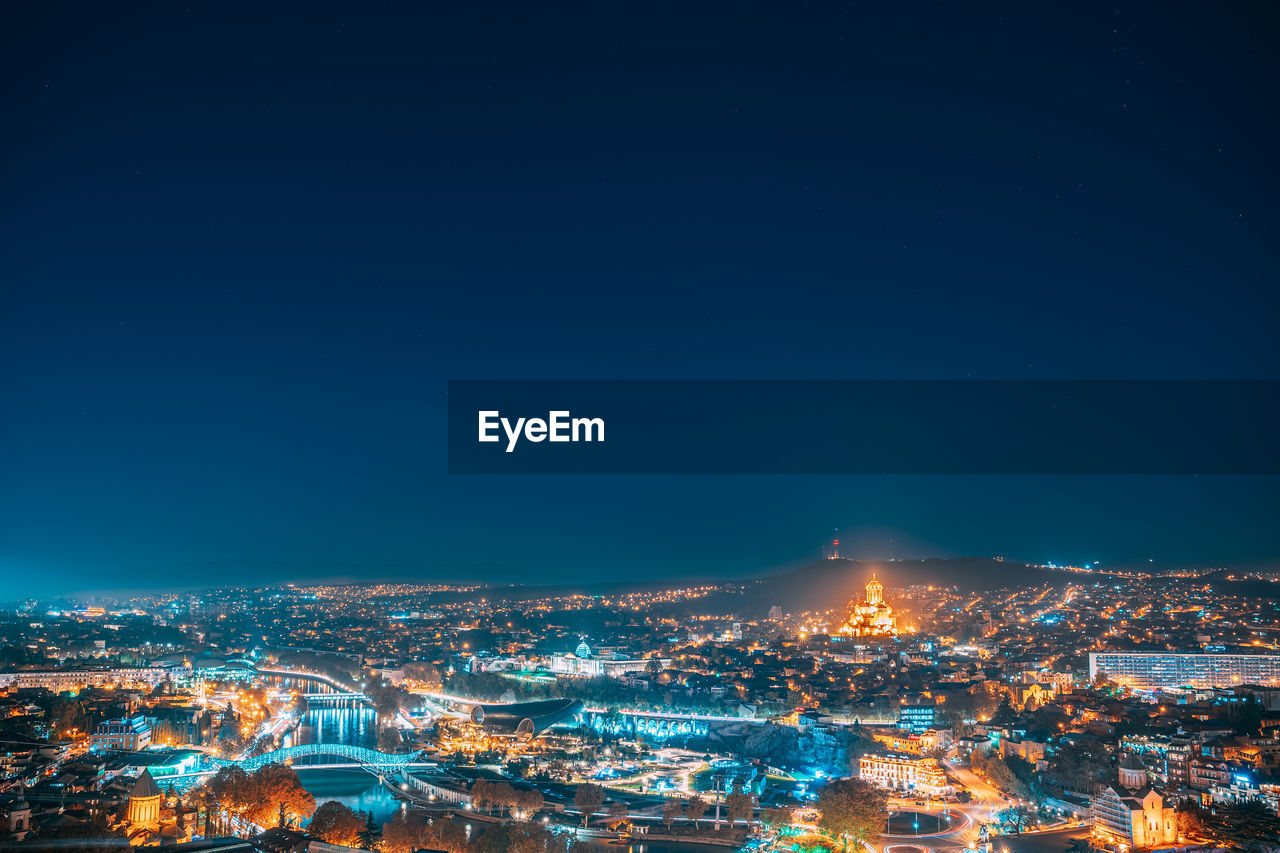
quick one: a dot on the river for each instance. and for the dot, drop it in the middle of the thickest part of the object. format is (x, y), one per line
(354, 788)
(355, 725)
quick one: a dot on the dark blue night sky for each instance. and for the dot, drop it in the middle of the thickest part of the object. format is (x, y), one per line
(243, 248)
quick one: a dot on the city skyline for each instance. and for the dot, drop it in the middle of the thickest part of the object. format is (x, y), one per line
(1114, 709)
(564, 428)
(373, 574)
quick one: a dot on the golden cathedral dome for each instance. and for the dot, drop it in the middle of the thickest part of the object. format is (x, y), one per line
(872, 616)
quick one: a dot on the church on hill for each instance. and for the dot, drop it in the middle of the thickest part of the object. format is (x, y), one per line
(872, 616)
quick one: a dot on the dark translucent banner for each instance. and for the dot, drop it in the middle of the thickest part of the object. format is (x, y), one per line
(819, 427)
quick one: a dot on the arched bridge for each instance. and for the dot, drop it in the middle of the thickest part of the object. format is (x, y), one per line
(354, 754)
(650, 725)
(326, 684)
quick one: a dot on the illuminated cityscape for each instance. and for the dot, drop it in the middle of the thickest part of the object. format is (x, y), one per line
(514, 427)
(686, 716)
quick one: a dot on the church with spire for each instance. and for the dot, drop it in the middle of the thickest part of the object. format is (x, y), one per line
(148, 822)
(872, 616)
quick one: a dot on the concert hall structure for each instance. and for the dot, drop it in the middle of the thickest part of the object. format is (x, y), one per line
(525, 719)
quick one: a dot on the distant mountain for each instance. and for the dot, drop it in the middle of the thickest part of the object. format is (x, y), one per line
(832, 583)
(816, 586)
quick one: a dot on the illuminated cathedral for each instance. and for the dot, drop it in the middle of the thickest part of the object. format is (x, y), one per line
(148, 822)
(871, 617)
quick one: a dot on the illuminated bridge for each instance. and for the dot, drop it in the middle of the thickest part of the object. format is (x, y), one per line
(325, 684)
(358, 755)
(657, 726)
(322, 688)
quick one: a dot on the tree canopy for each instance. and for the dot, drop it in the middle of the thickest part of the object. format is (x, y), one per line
(335, 823)
(261, 796)
(853, 808)
(588, 799)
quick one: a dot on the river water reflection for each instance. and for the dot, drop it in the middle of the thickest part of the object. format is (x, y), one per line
(354, 788)
(355, 725)
(360, 790)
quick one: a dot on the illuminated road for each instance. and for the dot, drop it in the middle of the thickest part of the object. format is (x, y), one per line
(984, 793)
(987, 801)
(1052, 841)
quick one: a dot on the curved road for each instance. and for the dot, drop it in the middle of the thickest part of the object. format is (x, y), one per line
(986, 801)
(1052, 841)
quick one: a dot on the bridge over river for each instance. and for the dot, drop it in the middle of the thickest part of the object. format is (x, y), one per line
(346, 754)
(324, 690)
(324, 686)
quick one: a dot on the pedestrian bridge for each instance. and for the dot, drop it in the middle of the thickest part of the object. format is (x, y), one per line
(350, 754)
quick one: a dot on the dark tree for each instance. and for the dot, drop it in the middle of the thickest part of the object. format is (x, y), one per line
(852, 808)
(370, 835)
(670, 811)
(335, 823)
(588, 798)
(741, 806)
(694, 808)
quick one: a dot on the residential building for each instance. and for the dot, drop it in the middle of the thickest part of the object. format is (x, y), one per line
(129, 735)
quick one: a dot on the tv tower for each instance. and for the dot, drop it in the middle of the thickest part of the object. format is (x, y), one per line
(835, 546)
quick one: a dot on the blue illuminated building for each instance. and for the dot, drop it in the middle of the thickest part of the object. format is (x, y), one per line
(916, 718)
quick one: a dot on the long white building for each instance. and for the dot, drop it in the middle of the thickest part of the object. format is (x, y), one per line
(60, 680)
(1150, 670)
(581, 662)
(571, 664)
(911, 773)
